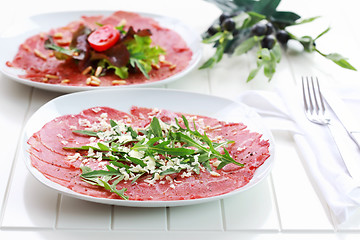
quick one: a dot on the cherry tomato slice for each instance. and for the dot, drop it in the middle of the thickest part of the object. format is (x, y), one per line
(103, 38)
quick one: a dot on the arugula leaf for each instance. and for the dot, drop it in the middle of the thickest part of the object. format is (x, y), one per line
(151, 146)
(212, 152)
(155, 127)
(60, 52)
(86, 132)
(101, 178)
(183, 148)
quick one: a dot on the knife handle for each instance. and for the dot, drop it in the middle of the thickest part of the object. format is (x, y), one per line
(356, 137)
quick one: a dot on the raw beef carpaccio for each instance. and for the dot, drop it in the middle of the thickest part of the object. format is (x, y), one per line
(42, 66)
(53, 153)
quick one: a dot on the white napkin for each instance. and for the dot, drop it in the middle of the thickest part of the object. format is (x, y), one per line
(284, 110)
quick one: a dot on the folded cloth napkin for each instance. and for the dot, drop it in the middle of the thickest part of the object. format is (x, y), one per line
(283, 109)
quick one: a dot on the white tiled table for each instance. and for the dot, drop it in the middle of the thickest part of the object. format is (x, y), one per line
(284, 206)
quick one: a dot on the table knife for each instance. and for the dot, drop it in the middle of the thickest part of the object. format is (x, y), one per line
(344, 114)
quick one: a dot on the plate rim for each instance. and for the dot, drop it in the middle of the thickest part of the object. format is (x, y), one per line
(197, 52)
(136, 203)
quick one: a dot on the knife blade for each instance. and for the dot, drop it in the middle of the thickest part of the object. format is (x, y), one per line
(343, 113)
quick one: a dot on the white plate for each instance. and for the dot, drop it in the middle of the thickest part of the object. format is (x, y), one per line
(17, 34)
(123, 99)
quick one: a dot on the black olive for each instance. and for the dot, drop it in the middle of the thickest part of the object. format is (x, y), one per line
(282, 36)
(259, 29)
(212, 30)
(269, 28)
(268, 42)
(228, 25)
(224, 16)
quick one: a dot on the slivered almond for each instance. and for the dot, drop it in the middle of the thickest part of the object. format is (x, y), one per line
(39, 54)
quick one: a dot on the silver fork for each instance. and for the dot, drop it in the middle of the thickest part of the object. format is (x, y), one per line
(316, 112)
(313, 101)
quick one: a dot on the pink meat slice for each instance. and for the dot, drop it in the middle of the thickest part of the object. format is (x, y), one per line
(49, 157)
(178, 54)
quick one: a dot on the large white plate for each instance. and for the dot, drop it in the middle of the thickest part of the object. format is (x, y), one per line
(123, 99)
(18, 33)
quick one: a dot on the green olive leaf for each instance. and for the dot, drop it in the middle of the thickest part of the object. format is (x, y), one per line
(339, 60)
(246, 45)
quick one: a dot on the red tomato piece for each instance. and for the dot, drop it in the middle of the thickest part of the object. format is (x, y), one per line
(103, 38)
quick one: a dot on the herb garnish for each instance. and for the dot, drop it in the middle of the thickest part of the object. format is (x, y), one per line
(132, 52)
(157, 150)
(245, 24)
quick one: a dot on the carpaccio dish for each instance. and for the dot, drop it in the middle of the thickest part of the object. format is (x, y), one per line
(45, 65)
(148, 154)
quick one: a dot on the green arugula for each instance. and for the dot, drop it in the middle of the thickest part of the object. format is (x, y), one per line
(60, 52)
(248, 13)
(185, 148)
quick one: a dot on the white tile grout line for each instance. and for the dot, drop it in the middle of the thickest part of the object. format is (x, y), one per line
(223, 217)
(58, 205)
(167, 219)
(15, 160)
(275, 201)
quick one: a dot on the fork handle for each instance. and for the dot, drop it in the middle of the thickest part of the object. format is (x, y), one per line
(351, 161)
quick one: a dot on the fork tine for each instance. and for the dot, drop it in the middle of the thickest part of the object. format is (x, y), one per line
(306, 105)
(316, 96)
(310, 96)
(320, 96)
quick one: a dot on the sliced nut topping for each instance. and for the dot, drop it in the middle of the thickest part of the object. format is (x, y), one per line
(65, 81)
(42, 35)
(172, 66)
(118, 82)
(39, 54)
(86, 70)
(58, 35)
(122, 22)
(51, 76)
(26, 47)
(155, 66)
(98, 71)
(93, 81)
(63, 42)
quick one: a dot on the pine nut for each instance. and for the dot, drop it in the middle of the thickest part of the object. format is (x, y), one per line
(39, 54)
(86, 70)
(118, 82)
